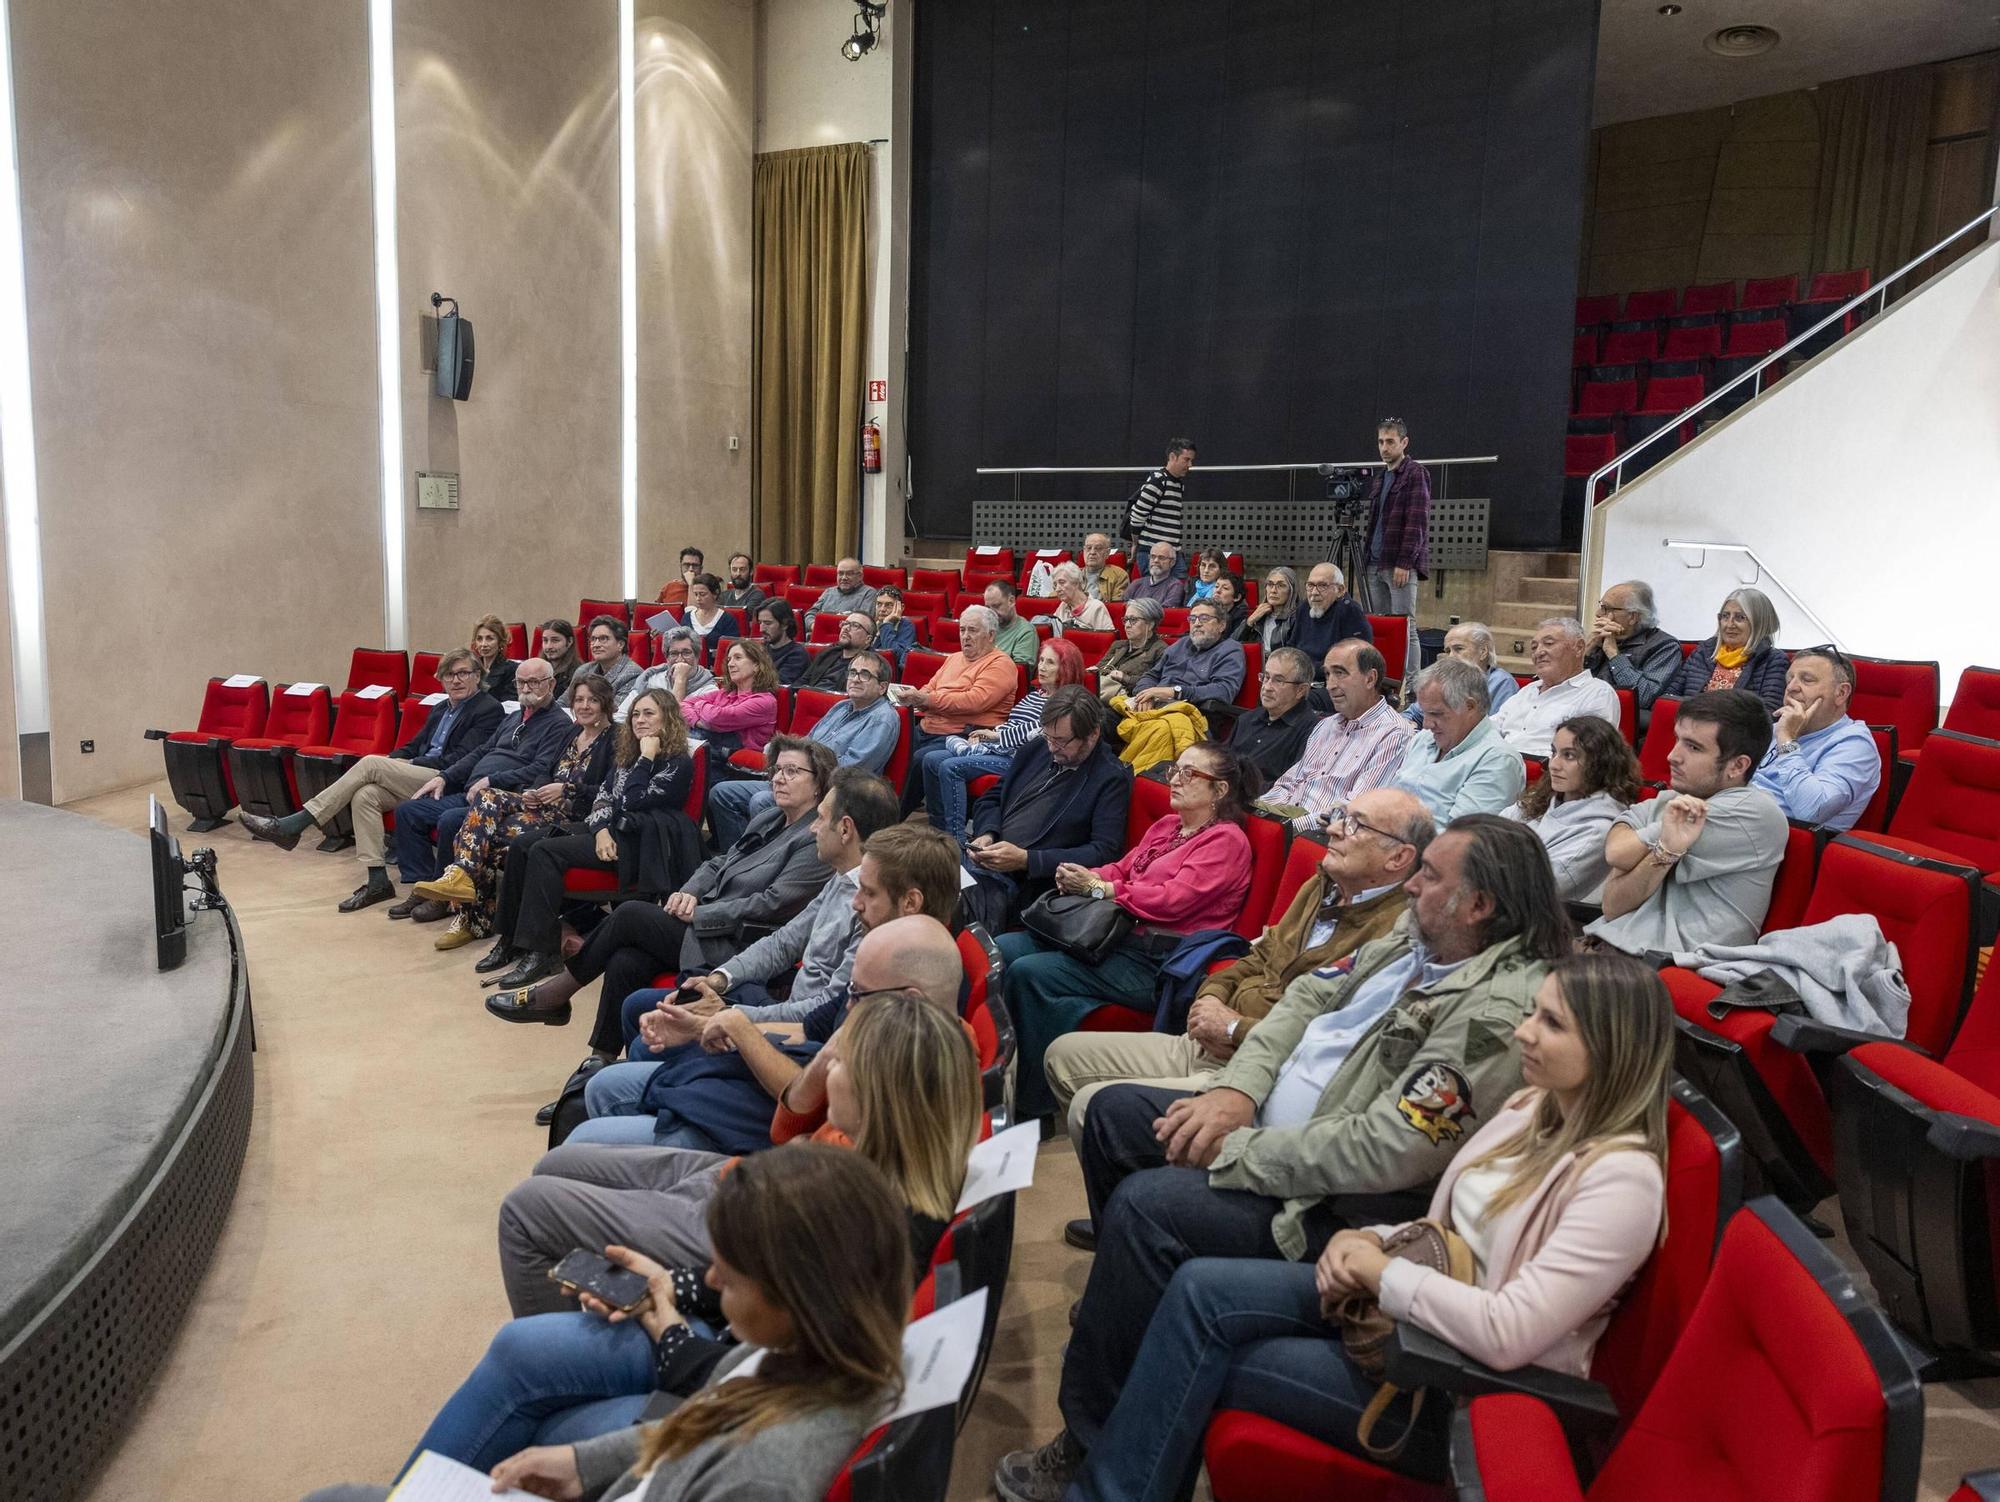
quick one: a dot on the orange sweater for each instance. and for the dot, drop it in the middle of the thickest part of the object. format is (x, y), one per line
(966, 694)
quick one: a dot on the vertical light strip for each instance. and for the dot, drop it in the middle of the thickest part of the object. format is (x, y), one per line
(628, 305)
(17, 427)
(388, 302)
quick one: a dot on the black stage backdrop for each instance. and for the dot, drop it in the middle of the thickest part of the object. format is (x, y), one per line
(1260, 223)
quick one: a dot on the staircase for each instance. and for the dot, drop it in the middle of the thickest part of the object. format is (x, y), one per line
(1547, 586)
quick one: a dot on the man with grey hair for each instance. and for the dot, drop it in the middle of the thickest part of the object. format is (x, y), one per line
(1473, 640)
(679, 671)
(1274, 733)
(1457, 763)
(1102, 580)
(1330, 615)
(849, 592)
(1560, 689)
(1162, 582)
(972, 689)
(1627, 649)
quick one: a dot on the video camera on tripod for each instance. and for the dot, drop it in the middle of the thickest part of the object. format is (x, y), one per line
(1347, 491)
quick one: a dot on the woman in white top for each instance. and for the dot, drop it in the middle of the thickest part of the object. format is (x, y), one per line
(1074, 605)
(704, 614)
(1560, 1196)
(1592, 778)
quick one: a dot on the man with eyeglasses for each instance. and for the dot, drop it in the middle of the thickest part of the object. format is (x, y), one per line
(1358, 747)
(679, 672)
(605, 637)
(463, 720)
(1202, 668)
(861, 731)
(1822, 767)
(1329, 615)
(828, 671)
(1627, 648)
(1272, 735)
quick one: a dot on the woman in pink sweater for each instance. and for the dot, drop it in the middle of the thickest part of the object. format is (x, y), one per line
(741, 712)
(1559, 1196)
(1190, 871)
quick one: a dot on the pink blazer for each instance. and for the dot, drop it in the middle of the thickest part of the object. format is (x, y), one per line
(1559, 1258)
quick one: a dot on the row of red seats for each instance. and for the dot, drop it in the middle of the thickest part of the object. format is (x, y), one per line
(982, 566)
(1722, 297)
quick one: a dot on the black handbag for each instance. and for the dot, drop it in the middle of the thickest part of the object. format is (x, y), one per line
(1082, 926)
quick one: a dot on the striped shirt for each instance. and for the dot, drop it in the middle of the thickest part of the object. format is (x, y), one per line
(1156, 514)
(1343, 758)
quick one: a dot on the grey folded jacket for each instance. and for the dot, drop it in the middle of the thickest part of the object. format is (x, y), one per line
(1843, 971)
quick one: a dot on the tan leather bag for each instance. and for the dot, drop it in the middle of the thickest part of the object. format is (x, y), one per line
(1365, 1329)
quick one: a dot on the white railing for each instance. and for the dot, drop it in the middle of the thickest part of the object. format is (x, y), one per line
(1764, 570)
(1292, 479)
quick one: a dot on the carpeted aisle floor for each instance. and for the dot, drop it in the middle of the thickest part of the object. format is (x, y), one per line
(356, 1281)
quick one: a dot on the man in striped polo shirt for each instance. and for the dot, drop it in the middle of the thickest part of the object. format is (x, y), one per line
(1156, 509)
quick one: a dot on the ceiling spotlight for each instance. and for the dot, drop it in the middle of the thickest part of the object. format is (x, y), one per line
(867, 30)
(1669, 10)
(1742, 41)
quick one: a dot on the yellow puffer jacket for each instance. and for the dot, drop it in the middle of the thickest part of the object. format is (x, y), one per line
(1152, 736)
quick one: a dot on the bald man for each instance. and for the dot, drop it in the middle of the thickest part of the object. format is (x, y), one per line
(847, 594)
(655, 1199)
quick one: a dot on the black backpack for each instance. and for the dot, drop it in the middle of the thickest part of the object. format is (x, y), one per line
(571, 1112)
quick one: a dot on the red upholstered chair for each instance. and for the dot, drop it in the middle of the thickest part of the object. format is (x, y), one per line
(1659, 740)
(369, 666)
(1667, 397)
(1709, 297)
(583, 884)
(517, 641)
(1392, 640)
(1757, 337)
(939, 581)
(1152, 800)
(809, 707)
(423, 673)
(767, 575)
(1769, 292)
(1978, 1486)
(822, 575)
(986, 1013)
(1596, 309)
(198, 759)
(1050, 556)
(926, 602)
(639, 647)
(897, 768)
(1700, 341)
(1952, 803)
(1657, 302)
(412, 714)
(1252, 1457)
(803, 596)
(1584, 454)
(1583, 349)
(589, 610)
(1875, 817)
(1173, 622)
(260, 766)
(1606, 398)
(1898, 692)
(988, 560)
(920, 667)
(876, 575)
(1626, 346)
(365, 726)
(1975, 710)
(825, 627)
(1786, 1383)
(1092, 644)
(1628, 716)
(944, 637)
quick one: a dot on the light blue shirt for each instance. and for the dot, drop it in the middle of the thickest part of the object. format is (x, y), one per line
(1331, 1036)
(859, 740)
(1482, 774)
(1500, 687)
(1828, 779)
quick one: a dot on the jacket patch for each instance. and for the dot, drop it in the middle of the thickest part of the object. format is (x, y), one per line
(1437, 1102)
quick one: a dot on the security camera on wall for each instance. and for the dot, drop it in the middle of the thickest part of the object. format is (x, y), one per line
(454, 351)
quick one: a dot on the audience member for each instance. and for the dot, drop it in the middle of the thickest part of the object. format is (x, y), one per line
(972, 689)
(1822, 767)
(1473, 641)
(1272, 622)
(1014, 636)
(1201, 668)
(1227, 596)
(1075, 605)
(983, 753)
(1160, 583)
(1061, 801)
(894, 636)
(861, 731)
(520, 754)
(647, 787)
(1208, 567)
(1357, 747)
(674, 592)
(558, 650)
(1127, 661)
(1743, 653)
(489, 651)
(1592, 777)
(1191, 870)
(1457, 763)
(1355, 896)
(496, 816)
(1330, 615)
(1629, 650)
(848, 593)
(742, 592)
(777, 627)
(460, 725)
(606, 637)
(1695, 866)
(1560, 690)
(741, 712)
(1399, 515)
(1272, 735)
(759, 883)
(704, 614)
(1361, 1085)
(828, 669)
(1569, 1176)
(1104, 580)
(1156, 513)
(679, 671)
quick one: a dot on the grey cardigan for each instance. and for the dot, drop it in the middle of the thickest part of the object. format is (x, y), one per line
(761, 882)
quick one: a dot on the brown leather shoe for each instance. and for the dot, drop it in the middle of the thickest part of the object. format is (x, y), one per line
(407, 906)
(427, 911)
(367, 896)
(261, 827)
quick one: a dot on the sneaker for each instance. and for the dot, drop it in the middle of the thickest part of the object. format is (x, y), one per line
(457, 933)
(1039, 1475)
(452, 886)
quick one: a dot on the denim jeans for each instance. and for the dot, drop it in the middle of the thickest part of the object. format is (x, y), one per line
(613, 1096)
(417, 819)
(946, 779)
(1048, 993)
(731, 807)
(923, 746)
(544, 1380)
(1239, 1335)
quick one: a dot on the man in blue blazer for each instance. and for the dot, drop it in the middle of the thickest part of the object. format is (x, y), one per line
(1063, 799)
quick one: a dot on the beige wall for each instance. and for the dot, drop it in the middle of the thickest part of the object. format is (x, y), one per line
(194, 184)
(10, 758)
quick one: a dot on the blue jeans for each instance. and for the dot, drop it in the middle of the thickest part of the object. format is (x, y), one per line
(946, 779)
(546, 1379)
(1048, 993)
(417, 820)
(923, 746)
(731, 807)
(613, 1097)
(1246, 1335)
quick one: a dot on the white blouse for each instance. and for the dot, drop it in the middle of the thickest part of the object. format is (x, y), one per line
(1573, 831)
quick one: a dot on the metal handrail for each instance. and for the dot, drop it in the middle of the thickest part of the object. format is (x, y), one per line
(1291, 487)
(1763, 569)
(1617, 465)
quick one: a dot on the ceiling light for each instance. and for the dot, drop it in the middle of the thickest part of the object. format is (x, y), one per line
(867, 30)
(1742, 41)
(1669, 10)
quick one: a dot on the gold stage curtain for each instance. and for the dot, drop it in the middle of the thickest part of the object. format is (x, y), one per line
(1873, 138)
(809, 237)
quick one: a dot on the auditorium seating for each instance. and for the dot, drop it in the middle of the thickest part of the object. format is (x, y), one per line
(1974, 711)
(773, 577)
(1709, 297)
(369, 667)
(876, 576)
(802, 597)
(822, 575)
(986, 1013)
(589, 610)
(920, 667)
(1769, 292)
(260, 766)
(365, 726)
(197, 759)
(423, 673)
(582, 884)
(517, 641)
(1786, 1383)
(1951, 808)
(1392, 640)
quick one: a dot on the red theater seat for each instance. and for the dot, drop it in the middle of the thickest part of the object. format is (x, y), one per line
(1630, 346)
(1899, 692)
(1951, 808)
(938, 581)
(1659, 302)
(1092, 644)
(1392, 640)
(365, 726)
(809, 707)
(1699, 342)
(369, 666)
(1607, 398)
(198, 759)
(517, 641)
(822, 575)
(423, 674)
(589, 610)
(802, 597)
(990, 562)
(774, 576)
(1709, 297)
(920, 667)
(260, 767)
(1596, 309)
(876, 575)
(1975, 709)
(1769, 292)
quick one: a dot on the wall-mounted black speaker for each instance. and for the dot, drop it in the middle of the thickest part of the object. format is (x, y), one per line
(454, 357)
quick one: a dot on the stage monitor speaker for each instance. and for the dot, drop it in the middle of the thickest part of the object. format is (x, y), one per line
(454, 357)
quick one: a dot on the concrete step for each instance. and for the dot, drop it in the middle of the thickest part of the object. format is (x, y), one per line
(1555, 592)
(1551, 565)
(1517, 618)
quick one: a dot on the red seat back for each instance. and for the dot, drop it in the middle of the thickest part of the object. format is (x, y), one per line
(897, 768)
(1092, 644)
(1656, 302)
(1630, 346)
(1792, 888)
(825, 627)
(1672, 394)
(1583, 349)
(822, 575)
(1700, 342)
(1392, 640)
(920, 667)
(1596, 309)
(589, 610)
(1586, 453)
(1710, 297)
(876, 575)
(1628, 715)
(1769, 291)
(984, 560)
(414, 713)
(1302, 860)
(233, 713)
(1758, 338)
(517, 641)
(809, 707)
(803, 596)
(1975, 705)
(1898, 692)
(1151, 802)
(1607, 398)
(1173, 622)
(938, 581)
(1953, 799)
(1269, 839)
(1253, 665)
(372, 665)
(1659, 740)
(926, 602)
(365, 727)
(424, 674)
(1840, 284)
(765, 575)
(301, 719)
(1875, 817)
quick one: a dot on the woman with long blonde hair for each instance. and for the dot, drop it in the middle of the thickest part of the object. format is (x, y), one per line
(1559, 1197)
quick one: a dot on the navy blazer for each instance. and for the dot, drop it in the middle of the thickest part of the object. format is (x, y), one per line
(1087, 828)
(478, 717)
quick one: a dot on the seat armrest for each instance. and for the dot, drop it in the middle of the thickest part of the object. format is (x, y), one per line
(156, 735)
(1965, 1138)
(1417, 1358)
(1821, 1039)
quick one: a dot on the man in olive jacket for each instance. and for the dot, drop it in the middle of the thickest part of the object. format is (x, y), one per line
(1362, 1083)
(1355, 897)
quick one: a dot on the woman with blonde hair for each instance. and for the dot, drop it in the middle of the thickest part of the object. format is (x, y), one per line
(741, 712)
(489, 650)
(1560, 1199)
(899, 1082)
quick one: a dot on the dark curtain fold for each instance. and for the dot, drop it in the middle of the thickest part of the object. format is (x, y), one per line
(809, 239)
(1874, 135)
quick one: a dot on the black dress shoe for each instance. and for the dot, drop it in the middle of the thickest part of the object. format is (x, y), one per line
(366, 896)
(499, 957)
(529, 969)
(407, 906)
(1080, 1234)
(427, 911)
(262, 827)
(515, 1006)
(547, 1113)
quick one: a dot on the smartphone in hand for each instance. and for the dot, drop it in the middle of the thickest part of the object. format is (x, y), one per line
(602, 1279)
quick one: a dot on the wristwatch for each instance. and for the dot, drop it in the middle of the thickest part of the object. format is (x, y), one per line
(1230, 1035)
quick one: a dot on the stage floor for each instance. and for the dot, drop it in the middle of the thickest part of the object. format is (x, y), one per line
(102, 1055)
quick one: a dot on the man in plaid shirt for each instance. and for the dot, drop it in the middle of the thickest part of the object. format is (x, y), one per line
(1357, 747)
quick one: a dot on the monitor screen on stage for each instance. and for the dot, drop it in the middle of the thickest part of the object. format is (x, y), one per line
(169, 900)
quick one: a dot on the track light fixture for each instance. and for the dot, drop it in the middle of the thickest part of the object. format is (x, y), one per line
(867, 30)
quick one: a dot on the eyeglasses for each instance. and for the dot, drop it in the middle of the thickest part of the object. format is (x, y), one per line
(1203, 617)
(853, 673)
(1274, 678)
(1349, 826)
(786, 772)
(1179, 773)
(459, 673)
(1055, 741)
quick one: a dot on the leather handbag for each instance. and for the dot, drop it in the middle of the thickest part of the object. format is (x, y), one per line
(1365, 1328)
(1084, 927)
